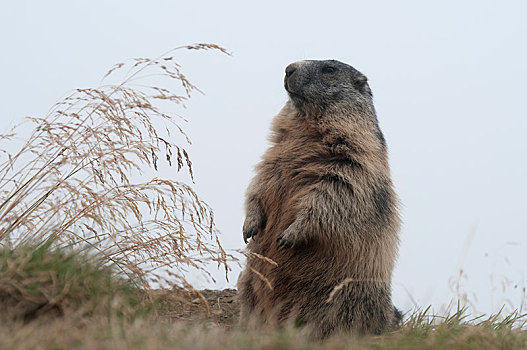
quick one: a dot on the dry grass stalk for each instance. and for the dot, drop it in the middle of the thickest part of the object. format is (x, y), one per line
(264, 258)
(344, 283)
(82, 176)
(263, 278)
(338, 288)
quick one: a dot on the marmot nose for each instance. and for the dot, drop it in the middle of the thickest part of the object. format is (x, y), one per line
(289, 70)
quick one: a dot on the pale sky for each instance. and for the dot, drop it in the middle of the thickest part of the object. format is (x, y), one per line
(449, 84)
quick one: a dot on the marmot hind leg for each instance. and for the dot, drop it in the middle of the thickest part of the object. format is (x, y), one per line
(247, 299)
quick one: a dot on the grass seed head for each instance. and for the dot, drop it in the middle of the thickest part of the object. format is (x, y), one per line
(86, 176)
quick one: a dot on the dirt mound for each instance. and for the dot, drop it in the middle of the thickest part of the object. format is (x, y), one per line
(221, 307)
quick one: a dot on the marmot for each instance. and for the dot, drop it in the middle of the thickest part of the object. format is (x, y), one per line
(322, 207)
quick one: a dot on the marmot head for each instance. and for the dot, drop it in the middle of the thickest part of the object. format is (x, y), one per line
(319, 85)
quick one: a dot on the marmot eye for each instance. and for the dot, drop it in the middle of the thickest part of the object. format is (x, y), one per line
(329, 69)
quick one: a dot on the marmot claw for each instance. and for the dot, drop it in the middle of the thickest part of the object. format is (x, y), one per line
(284, 242)
(249, 233)
(250, 228)
(290, 237)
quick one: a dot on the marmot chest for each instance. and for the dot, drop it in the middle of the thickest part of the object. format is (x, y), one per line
(290, 170)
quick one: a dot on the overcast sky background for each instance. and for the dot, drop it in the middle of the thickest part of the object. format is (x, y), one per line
(448, 78)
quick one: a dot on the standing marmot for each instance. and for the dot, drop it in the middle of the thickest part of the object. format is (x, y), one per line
(323, 208)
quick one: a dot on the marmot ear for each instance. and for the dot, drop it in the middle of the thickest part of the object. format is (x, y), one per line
(361, 84)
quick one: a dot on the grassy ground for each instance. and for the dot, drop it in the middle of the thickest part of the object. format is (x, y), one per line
(51, 299)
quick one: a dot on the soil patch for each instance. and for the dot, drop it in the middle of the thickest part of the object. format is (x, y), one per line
(221, 306)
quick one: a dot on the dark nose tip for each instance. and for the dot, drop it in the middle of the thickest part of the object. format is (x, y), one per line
(290, 70)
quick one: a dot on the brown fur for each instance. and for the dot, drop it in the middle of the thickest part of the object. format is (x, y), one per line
(323, 208)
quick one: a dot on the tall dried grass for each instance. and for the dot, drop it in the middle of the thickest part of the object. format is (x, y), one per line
(85, 177)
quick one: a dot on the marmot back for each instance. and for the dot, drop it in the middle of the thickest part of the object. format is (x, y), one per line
(322, 207)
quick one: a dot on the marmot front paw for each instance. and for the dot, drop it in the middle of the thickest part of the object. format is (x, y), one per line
(290, 238)
(251, 226)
